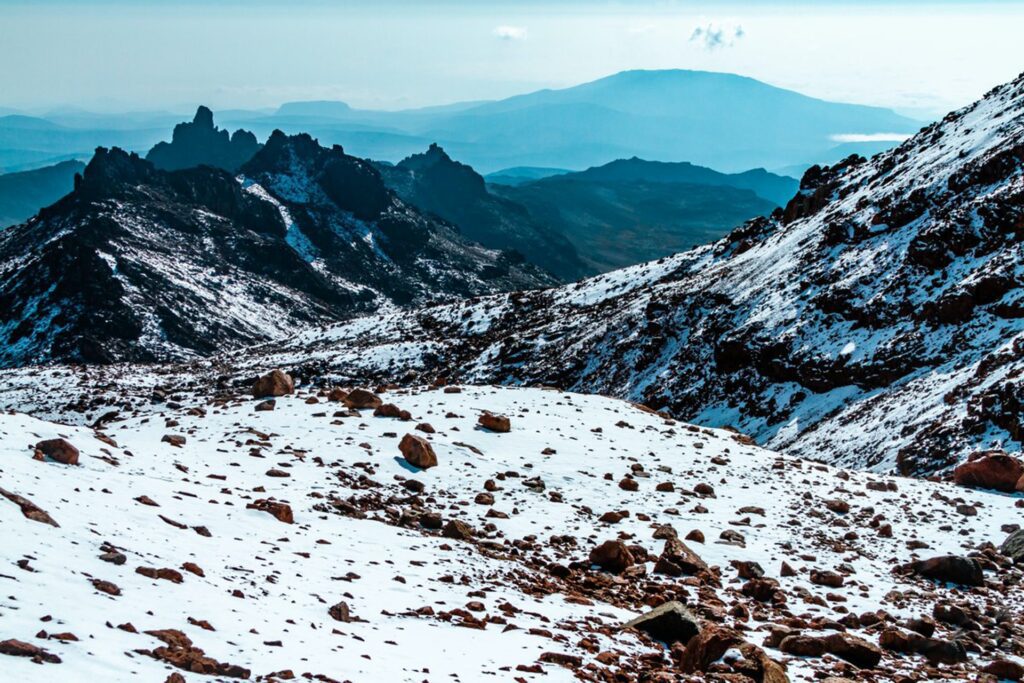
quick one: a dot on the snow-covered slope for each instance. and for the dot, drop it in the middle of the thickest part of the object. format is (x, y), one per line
(874, 323)
(519, 599)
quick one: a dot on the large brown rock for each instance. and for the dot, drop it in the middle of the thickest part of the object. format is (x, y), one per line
(281, 511)
(417, 451)
(59, 450)
(707, 647)
(362, 399)
(1013, 546)
(856, 651)
(1005, 670)
(677, 559)
(612, 556)
(274, 383)
(28, 508)
(19, 648)
(495, 423)
(990, 470)
(952, 568)
(670, 622)
(803, 646)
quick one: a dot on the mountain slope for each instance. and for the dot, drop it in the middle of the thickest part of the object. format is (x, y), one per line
(432, 181)
(23, 194)
(212, 541)
(621, 221)
(774, 188)
(201, 143)
(142, 264)
(877, 322)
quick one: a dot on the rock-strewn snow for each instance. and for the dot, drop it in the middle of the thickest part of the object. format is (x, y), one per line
(267, 585)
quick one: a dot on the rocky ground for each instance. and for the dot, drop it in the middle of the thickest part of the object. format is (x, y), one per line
(474, 533)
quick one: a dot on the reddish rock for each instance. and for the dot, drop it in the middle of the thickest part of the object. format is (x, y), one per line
(495, 423)
(340, 612)
(337, 395)
(803, 646)
(274, 383)
(457, 529)
(669, 622)
(281, 511)
(59, 450)
(708, 647)
(266, 406)
(106, 587)
(19, 648)
(857, 651)
(362, 399)
(990, 470)
(1005, 670)
(827, 578)
(963, 570)
(29, 509)
(391, 410)
(181, 653)
(172, 575)
(174, 439)
(417, 451)
(612, 556)
(677, 559)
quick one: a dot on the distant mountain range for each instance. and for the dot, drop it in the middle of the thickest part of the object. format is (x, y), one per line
(23, 194)
(724, 121)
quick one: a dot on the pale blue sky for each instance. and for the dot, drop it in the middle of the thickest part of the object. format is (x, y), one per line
(160, 54)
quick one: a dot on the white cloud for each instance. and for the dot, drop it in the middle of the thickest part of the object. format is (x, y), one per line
(713, 36)
(510, 32)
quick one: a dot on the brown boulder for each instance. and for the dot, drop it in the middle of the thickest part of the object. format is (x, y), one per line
(856, 651)
(340, 612)
(457, 529)
(281, 511)
(391, 410)
(677, 559)
(952, 568)
(670, 622)
(29, 509)
(19, 648)
(59, 450)
(417, 451)
(1005, 670)
(990, 470)
(707, 647)
(803, 646)
(361, 399)
(495, 423)
(274, 383)
(612, 556)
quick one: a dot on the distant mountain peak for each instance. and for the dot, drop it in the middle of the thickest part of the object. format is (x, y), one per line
(201, 143)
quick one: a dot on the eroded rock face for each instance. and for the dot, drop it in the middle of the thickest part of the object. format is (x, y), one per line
(417, 451)
(274, 383)
(59, 450)
(990, 470)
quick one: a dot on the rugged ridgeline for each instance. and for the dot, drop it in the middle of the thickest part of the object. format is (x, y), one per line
(200, 143)
(142, 264)
(434, 182)
(876, 322)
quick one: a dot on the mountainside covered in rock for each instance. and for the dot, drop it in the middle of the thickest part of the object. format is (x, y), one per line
(142, 264)
(875, 322)
(200, 143)
(432, 181)
(470, 533)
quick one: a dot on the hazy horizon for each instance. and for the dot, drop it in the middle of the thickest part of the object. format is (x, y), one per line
(112, 55)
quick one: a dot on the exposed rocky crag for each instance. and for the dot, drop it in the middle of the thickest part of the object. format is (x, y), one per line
(200, 143)
(140, 264)
(434, 182)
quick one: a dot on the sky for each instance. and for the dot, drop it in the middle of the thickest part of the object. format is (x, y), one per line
(921, 58)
